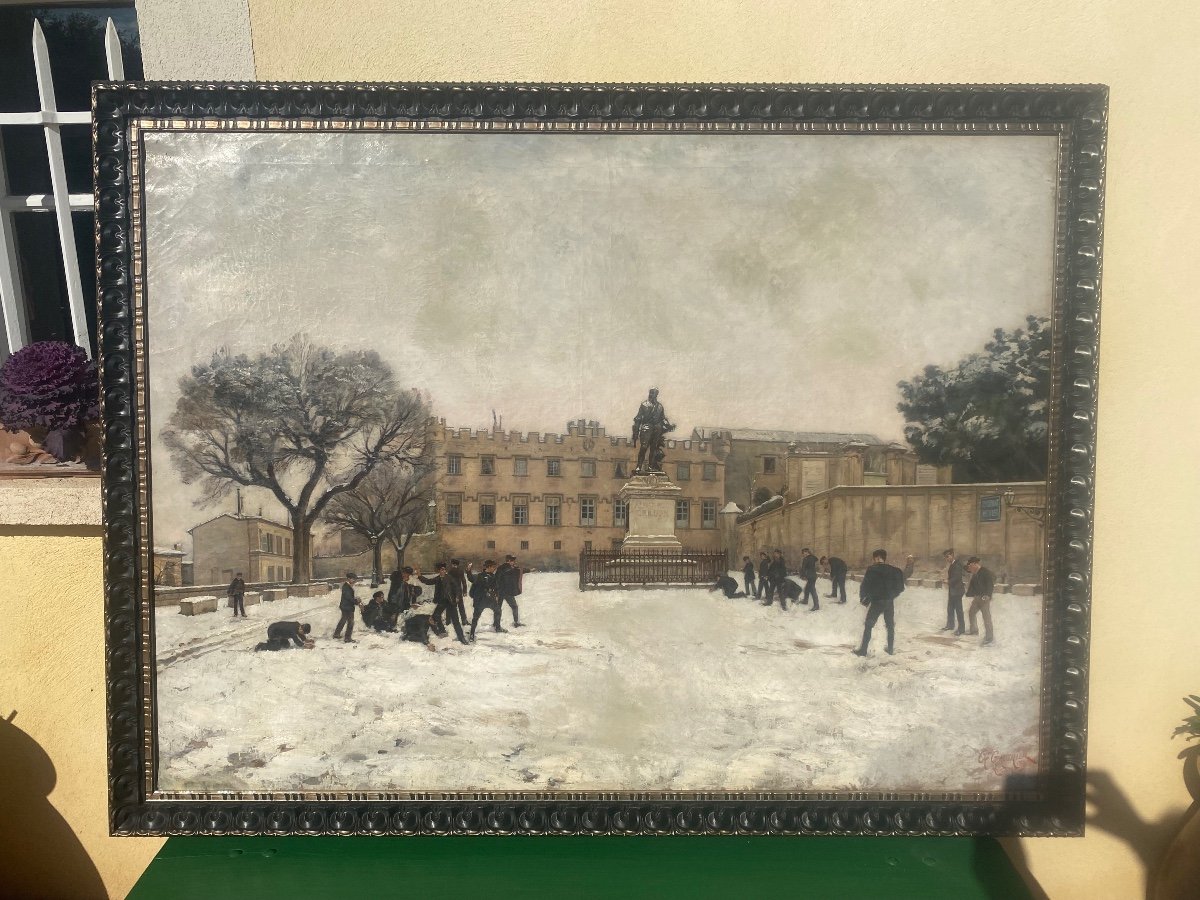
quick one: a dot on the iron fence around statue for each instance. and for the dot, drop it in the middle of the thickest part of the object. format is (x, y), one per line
(649, 566)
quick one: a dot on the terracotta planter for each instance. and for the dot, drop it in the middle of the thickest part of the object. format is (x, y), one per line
(23, 452)
(1178, 875)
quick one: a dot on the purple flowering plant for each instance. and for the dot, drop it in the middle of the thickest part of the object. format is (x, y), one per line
(50, 386)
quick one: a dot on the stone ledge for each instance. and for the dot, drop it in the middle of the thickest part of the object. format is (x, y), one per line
(50, 501)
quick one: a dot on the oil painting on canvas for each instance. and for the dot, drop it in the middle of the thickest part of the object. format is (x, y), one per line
(592, 463)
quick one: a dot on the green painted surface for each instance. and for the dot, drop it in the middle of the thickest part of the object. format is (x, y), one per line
(581, 867)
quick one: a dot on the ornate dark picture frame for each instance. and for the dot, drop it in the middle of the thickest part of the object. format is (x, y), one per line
(1052, 803)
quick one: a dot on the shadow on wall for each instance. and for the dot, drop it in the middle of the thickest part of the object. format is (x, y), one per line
(1111, 810)
(40, 856)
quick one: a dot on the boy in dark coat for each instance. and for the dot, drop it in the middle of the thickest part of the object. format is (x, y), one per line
(881, 585)
(776, 575)
(484, 596)
(748, 575)
(808, 571)
(409, 592)
(280, 635)
(508, 587)
(237, 595)
(416, 629)
(443, 600)
(837, 576)
(983, 583)
(375, 613)
(347, 605)
(458, 586)
(954, 593)
(728, 585)
(764, 568)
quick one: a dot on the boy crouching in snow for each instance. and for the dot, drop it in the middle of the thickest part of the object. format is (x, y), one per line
(280, 636)
(416, 623)
(728, 585)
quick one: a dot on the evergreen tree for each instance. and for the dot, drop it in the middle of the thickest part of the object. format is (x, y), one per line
(988, 415)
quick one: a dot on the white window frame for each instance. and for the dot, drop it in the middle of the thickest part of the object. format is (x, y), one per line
(13, 305)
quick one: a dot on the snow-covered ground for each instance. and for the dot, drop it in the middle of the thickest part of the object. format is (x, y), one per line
(676, 689)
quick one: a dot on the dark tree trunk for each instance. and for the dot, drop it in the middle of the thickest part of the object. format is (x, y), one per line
(377, 560)
(301, 550)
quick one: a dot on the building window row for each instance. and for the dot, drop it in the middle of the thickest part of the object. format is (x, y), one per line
(274, 543)
(552, 511)
(587, 467)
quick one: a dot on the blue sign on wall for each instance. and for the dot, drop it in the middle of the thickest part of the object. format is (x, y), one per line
(989, 509)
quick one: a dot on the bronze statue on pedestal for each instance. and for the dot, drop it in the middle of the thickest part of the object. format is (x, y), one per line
(650, 427)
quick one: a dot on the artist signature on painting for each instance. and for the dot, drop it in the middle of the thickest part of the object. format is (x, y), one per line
(1005, 763)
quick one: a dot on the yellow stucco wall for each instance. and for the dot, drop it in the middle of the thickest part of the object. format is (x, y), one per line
(52, 676)
(1143, 646)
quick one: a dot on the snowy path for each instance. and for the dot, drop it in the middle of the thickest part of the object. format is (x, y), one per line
(605, 690)
(175, 643)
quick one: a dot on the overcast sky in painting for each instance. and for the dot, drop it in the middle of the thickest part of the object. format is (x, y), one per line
(766, 281)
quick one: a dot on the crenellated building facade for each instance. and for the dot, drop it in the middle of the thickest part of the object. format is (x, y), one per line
(545, 497)
(764, 463)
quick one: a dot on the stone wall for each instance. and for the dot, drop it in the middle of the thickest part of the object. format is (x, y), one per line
(923, 520)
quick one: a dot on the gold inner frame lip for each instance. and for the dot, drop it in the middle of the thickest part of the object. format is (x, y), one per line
(138, 126)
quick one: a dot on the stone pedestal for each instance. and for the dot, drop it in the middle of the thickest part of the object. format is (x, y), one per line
(650, 510)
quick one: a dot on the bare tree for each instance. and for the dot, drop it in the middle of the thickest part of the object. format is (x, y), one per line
(389, 505)
(303, 422)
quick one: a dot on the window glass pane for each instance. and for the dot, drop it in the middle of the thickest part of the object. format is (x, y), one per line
(75, 39)
(25, 160)
(43, 281)
(77, 155)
